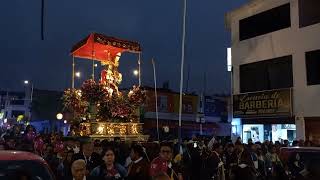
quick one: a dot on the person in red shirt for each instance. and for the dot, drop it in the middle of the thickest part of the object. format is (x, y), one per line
(162, 164)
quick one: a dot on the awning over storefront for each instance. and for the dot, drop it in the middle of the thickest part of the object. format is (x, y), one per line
(274, 120)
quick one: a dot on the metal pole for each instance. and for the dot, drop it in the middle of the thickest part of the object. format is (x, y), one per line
(31, 95)
(6, 103)
(31, 98)
(93, 68)
(231, 100)
(92, 55)
(188, 77)
(156, 96)
(182, 64)
(42, 20)
(73, 72)
(139, 63)
(202, 99)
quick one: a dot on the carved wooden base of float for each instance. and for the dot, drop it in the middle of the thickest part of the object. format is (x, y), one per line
(106, 130)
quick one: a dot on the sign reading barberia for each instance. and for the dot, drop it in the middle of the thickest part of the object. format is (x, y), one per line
(263, 104)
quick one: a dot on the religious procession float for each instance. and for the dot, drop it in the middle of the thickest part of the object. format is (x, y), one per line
(98, 108)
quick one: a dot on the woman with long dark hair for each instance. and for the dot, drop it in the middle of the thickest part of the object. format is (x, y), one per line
(109, 170)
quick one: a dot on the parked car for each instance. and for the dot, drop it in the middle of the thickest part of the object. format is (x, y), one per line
(23, 165)
(301, 162)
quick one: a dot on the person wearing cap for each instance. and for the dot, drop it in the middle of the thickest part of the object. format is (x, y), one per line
(139, 167)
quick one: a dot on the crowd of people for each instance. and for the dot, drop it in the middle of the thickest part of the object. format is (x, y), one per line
(195, 159)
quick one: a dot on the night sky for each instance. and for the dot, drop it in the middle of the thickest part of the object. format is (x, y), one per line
(157, 25)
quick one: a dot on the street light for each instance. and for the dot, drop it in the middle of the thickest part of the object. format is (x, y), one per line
(95, 65)
(65, 121)
(26, 82)
(77, 74)
(135, 72)
(59, 116)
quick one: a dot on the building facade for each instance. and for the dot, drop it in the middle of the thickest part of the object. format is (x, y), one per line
(206, 115)
(20, 106)
(13, 105)
(275, 69)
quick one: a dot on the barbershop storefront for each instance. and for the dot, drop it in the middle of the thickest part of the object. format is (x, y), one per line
(265, 115)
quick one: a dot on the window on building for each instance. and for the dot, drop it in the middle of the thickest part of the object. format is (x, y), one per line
(17, 100)
(16, 113)
(163, 103)
(3, 104)
(313, 67)
(309, 13)
(266, 75)
(265, 22)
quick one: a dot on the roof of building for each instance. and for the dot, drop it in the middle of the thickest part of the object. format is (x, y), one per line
(165, 90)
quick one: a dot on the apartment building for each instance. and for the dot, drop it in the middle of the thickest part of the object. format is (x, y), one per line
(275, 48)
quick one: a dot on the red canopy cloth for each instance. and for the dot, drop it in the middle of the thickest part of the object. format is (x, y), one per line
(103, 48)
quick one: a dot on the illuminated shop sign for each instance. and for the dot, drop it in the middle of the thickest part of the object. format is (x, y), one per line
(263, 104)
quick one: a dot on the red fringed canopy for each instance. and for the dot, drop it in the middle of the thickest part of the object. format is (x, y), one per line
(103, 48)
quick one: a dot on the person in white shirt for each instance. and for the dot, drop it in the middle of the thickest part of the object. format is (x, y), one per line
(78, 170)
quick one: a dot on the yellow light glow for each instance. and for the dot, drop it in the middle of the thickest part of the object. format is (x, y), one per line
(110, 91)
(100, 129)
(77, 74)
(134, 129)
(59, 116)
(135, 72)
(20, 117)
(79, 92)
(110, 129)
(130, 93)
(123, 130)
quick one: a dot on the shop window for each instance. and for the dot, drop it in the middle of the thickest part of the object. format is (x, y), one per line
(309, 13)
(271, 132)
(266, 75)
(253, 132)
(313, 67)
(266, 22)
